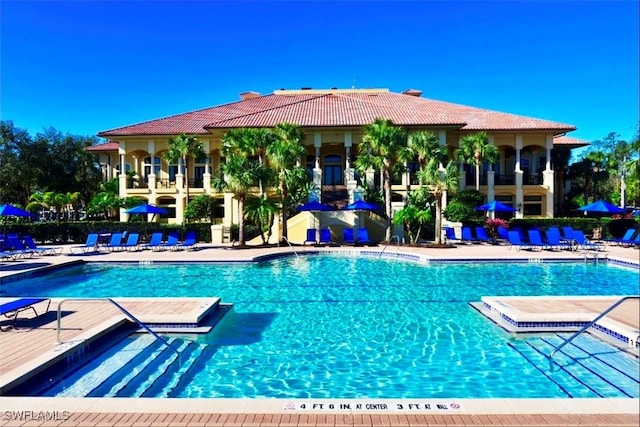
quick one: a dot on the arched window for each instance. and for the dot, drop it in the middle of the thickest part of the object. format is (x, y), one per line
(147, 166)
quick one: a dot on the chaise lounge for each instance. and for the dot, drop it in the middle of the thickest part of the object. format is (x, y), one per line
(13, 308)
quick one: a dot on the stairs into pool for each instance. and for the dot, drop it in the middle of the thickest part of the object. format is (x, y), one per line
(139, 366)
(585, 368)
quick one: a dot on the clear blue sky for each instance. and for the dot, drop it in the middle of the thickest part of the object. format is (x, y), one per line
(88, 66)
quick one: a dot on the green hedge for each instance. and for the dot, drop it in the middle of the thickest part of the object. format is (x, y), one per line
(76, 232)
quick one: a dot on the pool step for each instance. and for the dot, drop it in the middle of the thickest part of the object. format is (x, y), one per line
(586, 366)
(168, 380)
(101, 369)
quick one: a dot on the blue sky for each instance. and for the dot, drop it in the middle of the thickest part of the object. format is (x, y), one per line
(87, 66)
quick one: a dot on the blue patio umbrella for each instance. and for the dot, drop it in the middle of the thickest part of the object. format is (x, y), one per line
(495, 206)
(145, 208)
(314, 206)
(362, 205)
(601, 207)
(10, 210)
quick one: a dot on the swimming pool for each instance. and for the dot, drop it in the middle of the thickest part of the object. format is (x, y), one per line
(344, 327)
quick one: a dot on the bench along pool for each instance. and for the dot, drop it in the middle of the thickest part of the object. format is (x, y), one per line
(345, 327)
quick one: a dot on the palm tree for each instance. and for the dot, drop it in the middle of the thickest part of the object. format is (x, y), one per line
(383, 148)
(184, 147)
(238, 176)
(439, 179)
(425, 145)
(262, 211)
(476, 149)
(284, 154)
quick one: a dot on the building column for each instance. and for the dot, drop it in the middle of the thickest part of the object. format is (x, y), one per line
(206, 177)
(462, 181)
(122, 180)
(349, 172)
(491, 183)
(519, 176)
(180, 194)
(151, 178)
(549, 180)
(317, 171)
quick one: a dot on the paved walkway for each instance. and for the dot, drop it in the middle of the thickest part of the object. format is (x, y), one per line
(20, 411)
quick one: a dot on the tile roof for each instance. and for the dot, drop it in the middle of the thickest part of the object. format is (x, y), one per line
(571, 142)
(105, 146)
(337, 108)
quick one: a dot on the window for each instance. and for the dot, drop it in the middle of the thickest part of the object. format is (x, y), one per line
(332, 170)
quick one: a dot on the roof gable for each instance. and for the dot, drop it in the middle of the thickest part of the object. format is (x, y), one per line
(336, 108)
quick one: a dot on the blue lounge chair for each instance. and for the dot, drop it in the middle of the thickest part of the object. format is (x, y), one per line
(16, 247)
(44, 250)
(481, 235)
(173, 239)
(155, 243)
(535, 239)
(450, 235)
(363, 237)
(555, 241)
(13, 308)
(189, 243)
(626, 239)
(115, 243)
(91, 245)
(325, 237)
(514, 240)
(311, 236)
(6, 256)
(348, 236)
(132, 243)
(567, 233)
(584, 243)
(467, 236)
(503, 234)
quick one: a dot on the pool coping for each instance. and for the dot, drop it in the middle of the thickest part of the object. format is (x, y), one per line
(627, 406)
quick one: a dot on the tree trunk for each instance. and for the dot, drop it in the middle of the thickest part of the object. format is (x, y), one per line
(284, 192)
(387, 202)
(241, 241)
(438, 220)
(477, 175)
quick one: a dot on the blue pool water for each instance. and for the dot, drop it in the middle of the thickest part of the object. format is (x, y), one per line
(343, 327)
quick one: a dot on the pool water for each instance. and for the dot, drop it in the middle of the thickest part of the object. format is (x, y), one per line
(343, 327)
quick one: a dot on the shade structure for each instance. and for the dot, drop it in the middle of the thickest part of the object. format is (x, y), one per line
(362, 205)
(10, 210)
(495, 206)
(314, 206)
(602, 207)
(145, 209)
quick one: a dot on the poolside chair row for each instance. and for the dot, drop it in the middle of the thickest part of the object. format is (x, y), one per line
(349, 237)
(173, 243)
(468, 236)
(552, 239)
(13, 247)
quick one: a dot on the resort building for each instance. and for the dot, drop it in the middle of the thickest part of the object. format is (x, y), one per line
(332, 121)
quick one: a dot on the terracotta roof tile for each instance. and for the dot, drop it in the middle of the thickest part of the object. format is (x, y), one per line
(568, 141)
(336, 108)
(105, 146)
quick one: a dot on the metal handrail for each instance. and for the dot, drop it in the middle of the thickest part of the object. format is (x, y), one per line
(389, 242)
(123, 310)
(289, 243)
(587, 326)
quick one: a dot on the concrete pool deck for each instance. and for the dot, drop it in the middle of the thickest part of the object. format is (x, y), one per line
(30, 411)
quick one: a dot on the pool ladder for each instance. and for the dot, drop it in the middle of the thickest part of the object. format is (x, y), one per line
(587, 326)
(389, 242)
(125, 312)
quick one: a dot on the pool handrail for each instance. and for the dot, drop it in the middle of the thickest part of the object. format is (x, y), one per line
(125, 312)
(388, 243)
(587, 326)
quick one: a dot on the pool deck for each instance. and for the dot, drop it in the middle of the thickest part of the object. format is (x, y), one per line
(35, 344)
